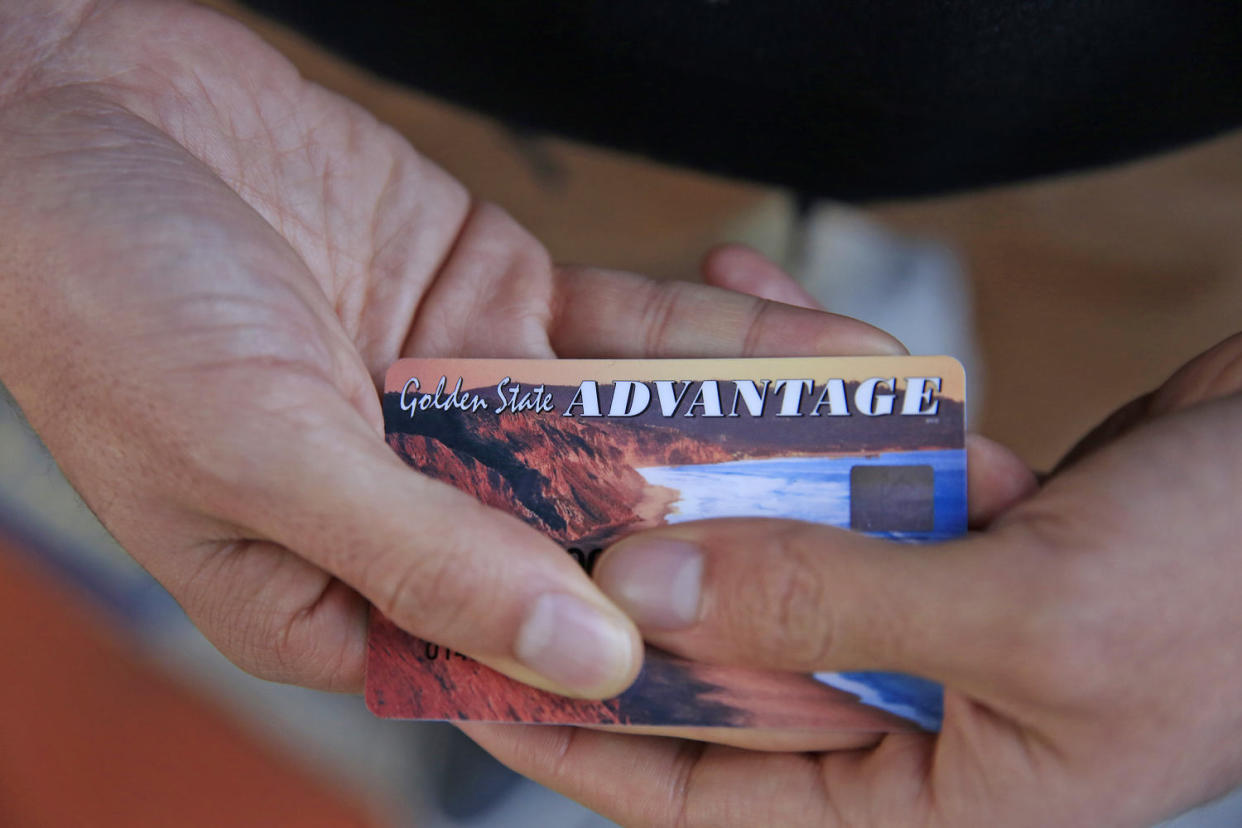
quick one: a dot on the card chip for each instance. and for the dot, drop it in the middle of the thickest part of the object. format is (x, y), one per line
(892, 498)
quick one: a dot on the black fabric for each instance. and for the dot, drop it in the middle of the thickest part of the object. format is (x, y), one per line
(853, 99)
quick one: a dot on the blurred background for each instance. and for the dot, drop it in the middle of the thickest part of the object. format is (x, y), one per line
(1064, 298)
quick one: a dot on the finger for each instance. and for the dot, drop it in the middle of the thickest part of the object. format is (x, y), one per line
(1111, 429)
(491, 297)
(617, 315)
(997, 479)
(806, 597)
(433, 559)
(635, 780)
(278, 616)
(650, 781)
(1215, 373)
(740, 268)
(768, 740)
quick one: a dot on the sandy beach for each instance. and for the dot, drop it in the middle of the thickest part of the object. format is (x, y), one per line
(654, 506)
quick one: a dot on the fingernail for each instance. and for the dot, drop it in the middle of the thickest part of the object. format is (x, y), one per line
(657, 582)
(572, 643)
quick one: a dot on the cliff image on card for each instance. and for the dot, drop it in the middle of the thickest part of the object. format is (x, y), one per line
(587, 451)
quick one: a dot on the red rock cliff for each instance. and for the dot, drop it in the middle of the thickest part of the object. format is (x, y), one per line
(573, 480)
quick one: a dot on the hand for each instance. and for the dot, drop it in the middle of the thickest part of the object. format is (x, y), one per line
(1088, 641)
(206, 264)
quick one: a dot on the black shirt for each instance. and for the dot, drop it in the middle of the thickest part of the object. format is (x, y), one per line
(844, 98)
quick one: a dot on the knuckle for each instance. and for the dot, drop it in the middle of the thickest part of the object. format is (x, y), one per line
(255, 629)
(495, 229)
(303, 655)
(1061, 641)
(756, 327)
(276, 641)
(793, 596)
(665, 308)
(425, 594)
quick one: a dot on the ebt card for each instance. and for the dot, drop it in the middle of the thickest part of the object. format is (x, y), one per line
(587, 451)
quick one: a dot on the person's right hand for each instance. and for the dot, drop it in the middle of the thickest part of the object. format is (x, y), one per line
(1088, 640)
(206, 265)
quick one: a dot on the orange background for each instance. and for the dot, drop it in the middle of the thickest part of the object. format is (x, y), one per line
(90, 734)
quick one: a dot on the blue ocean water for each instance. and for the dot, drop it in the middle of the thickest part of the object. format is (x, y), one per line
(911, 697)
(818, 489)
(807, 488)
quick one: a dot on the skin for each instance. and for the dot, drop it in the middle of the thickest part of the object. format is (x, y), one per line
(206, 265)
(1088, 641)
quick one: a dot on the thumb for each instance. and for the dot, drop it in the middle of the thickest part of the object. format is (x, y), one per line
(436, 561)
(788, 595)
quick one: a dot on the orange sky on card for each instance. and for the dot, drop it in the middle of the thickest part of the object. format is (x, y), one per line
(486, 373)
